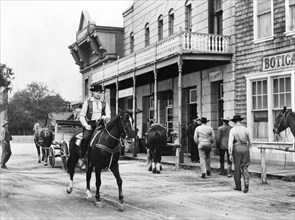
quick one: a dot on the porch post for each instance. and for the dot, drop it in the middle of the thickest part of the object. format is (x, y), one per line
(134, 153)
(117, 88)
(156, 96)
(181, 159)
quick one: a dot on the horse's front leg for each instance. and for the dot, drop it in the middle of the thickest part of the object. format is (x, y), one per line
(88, 178)
(98, 183)
(71, 164)
(116, 172)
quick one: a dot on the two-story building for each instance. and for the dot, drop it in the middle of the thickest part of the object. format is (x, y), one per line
(175, 60)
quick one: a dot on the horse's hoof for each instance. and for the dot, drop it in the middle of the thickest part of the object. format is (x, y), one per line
(99, 204)
(158, 172)
(39, 161)
(154, 171)
(45, 164)
(69, 190)
(121, 207)
(150, 169)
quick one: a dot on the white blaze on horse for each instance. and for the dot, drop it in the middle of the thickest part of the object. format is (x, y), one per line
(103, 152)
(43, 138)
(286, 119)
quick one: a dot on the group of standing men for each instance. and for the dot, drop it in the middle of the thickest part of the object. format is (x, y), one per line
(234, 142)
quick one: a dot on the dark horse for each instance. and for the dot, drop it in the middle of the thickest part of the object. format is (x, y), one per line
(43, 139)
(285, 119)
(104, 152)
(156, 142)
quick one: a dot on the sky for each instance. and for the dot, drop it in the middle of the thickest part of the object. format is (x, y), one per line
(35, 36)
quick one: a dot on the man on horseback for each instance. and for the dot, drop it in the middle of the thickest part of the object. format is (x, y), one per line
(95, 111)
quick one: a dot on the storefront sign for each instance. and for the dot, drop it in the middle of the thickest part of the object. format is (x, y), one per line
(215, 76)
(278, 61)
(126, 92)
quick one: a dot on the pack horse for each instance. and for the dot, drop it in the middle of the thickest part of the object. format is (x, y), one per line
(156, 142)
(103, 152)
(43, 138)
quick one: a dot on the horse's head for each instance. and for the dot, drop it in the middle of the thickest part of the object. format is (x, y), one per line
(127, 121)
(280, 123)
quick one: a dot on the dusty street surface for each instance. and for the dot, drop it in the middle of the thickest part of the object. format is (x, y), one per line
(32, 191)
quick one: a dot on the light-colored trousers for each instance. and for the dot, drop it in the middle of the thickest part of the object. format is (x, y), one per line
(204, 152)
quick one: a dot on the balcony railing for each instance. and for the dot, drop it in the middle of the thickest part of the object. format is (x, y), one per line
(183, 42)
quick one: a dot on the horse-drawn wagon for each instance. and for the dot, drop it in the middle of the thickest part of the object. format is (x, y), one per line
(63, 131)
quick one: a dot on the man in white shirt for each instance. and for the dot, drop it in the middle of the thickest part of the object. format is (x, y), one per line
(94, 111)
(238, 148)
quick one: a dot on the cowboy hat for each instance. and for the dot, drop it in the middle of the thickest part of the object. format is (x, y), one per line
(5, 123)
(237, 118)
(204, 120)
(97, 88)
(226, 119)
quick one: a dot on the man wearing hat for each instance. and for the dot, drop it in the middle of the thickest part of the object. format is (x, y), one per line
(191, 143)
(222, 144)
(5, 143)
(204, 137)
(238, 148)
(94, 111)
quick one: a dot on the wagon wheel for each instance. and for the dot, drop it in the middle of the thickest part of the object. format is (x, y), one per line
(51, 156)
(64, 153)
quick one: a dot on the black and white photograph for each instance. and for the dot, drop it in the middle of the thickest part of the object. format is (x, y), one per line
(147, 109)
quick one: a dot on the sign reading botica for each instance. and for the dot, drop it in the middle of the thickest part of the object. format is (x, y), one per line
(278, 61)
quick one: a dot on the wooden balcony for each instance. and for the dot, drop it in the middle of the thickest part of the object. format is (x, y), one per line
(178, 44)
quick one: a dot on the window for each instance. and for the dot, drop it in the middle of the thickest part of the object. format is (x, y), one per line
(131, 43)
(259, 108)
(171, 22)
(151, 108)
(290, 16)
(267, 97)
(215, 16)
(86, 89)
(160, 28)
(188, 17)
(281, 98)
(263, 19)
(193, 96)
(147, 35)
(169, 119)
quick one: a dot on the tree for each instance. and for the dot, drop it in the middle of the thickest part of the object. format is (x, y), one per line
(6, 77)
(32, 105)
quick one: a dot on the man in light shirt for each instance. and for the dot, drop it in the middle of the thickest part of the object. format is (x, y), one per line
(238, 148)
(94, 111)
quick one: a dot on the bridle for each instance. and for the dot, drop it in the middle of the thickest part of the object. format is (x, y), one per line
(106, 148)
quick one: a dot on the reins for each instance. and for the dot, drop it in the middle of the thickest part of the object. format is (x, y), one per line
(106, 148)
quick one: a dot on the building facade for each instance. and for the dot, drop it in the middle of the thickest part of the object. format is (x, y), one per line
(177, 60)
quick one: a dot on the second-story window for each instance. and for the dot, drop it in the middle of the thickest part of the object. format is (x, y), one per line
(171, 22)
(188, 17)
(215, 16)
(160, 28)
(290, 16)
(131, 43)
(263, 19)
(147, 34)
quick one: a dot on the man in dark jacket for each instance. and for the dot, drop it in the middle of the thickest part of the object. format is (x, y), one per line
(5, 143)
(191, 143)
(222, 144)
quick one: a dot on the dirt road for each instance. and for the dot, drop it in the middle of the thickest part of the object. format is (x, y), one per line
(32, 191)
